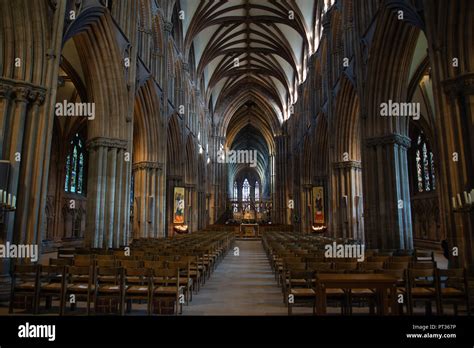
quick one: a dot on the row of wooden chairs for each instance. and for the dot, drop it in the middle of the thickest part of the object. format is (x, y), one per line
(109, 280)
(286, 252)
(440, 286)
(108, 291)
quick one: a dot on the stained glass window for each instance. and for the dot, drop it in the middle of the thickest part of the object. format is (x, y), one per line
(424, 164)
(235, 194)
(75, 166)
(246, 191)
(257, 191)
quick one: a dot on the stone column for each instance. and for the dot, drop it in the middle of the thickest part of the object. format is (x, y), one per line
(460, 173)
(347, 200)
(279, 209)
(147, 200)
(32, 170)
(106, 224)
(387, 209)
(6, 94)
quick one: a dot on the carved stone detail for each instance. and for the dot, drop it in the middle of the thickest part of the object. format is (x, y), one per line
(461, 85)
(22, 94)
(146, 165)
(389, 139)
(106, 142)
(347, 164)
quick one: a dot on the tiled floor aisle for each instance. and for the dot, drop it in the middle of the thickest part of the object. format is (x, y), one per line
(241, 285)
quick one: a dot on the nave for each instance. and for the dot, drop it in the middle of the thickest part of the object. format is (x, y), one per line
(141, 140)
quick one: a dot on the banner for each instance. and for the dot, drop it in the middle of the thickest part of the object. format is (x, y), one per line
(178, 212)
(318, 204)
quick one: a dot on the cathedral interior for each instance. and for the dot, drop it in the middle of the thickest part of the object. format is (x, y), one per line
(163, 157)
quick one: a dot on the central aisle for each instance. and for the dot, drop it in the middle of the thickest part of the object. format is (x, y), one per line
(241, 285)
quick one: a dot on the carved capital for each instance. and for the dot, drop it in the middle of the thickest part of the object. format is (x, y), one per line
(145, 165)
(22, 94)
(40, 98)
(5, 91)
(390, 139)
(460, 85)
(106, 142)
(347, 165)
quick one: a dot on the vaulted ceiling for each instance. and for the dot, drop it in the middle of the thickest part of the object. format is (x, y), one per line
(250, 56)
(249, 46)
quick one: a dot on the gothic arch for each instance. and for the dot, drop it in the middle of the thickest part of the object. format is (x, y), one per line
(389, 62)
(346, 124)
(191, 161)
(175, 159)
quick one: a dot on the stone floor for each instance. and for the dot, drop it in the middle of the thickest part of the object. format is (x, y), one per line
(241, 285)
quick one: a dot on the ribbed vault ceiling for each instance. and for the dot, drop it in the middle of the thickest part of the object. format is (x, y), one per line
(250, 56)
(255, 45)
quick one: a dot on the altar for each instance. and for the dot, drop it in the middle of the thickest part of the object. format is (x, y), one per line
(249, 230)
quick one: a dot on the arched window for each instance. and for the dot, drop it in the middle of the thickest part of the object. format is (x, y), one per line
(235, 196)
(246, 191)
(257, 196)
(425, 178)
(75, 166)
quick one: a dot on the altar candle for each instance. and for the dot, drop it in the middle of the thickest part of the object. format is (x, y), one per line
(9, 199)
(454, 202)
(5, 197)
(1, 196)
(459, 200)
(466, 198)
(14, 202)
(470, 198)
(472, 195)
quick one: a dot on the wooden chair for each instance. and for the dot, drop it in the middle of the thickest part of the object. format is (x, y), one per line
(24, 284)
(51, 285)
(453, 289)
(184, 277)
(301, 293)
(195, 271)
(78, 287)
(285, 277)
(137, 287)
(109, 288)
(402, 287)
(166, 289)
(337, 295)
(423, 286)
